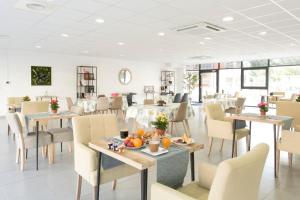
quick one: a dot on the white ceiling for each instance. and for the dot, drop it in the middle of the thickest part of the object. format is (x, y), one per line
(136, 23)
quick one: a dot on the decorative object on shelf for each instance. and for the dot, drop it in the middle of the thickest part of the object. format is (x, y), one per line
(161, 124)
(167, 82)
(263, 107)
(298, 98)
(26, 98)
(40, 75)
(86, 82)
(149, 90)
(125, 76)
(54, 105)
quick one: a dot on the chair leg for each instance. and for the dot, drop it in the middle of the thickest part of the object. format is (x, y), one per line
(70, 147)
(26, 154)
(51, 153)
(114, 185)
(222, 144)
(185, 128)
(290, 155)
(95, 192)
(78, 190)
(22, 159)
(277, 161)
(18, 155)
(235, 149)
(210, 146)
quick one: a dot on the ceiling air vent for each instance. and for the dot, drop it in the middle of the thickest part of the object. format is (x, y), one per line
(199, 28)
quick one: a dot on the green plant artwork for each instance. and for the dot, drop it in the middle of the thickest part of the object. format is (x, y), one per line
(40, 75)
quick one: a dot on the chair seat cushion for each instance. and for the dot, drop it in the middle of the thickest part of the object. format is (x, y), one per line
(193, 190)
(61, 134)
(240, 133)
(30, 139)
(297, 128)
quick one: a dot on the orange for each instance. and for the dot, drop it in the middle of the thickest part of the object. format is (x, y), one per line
(140, 132)
(137, 142)
(166, 142)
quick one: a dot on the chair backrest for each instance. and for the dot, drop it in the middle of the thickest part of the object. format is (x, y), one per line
(14, 100)
(240, 104)
(181, 113)
(177, 98)
(185, 97)
(94, 127)
(148, 101)
(102, 103)
(239, 178)
(294, 97)
(215, 112)
(14, 123)
(31, 107)
(117, 102)
(289, 108)
(77, 109)
(279, 93)
(69, 103)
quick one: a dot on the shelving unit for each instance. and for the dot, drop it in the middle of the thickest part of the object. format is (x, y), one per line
(86, 82)
(167, 85)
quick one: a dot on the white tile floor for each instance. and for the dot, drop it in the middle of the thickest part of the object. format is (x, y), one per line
(58, 181)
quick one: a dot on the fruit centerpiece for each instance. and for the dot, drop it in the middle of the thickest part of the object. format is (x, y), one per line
(263, 107)
(133, 142)
(161, 124)
(54, 105)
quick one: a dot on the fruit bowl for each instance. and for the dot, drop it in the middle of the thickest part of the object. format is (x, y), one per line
(134, 143)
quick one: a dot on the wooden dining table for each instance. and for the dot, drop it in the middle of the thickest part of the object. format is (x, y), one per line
(46, 116)
(137, 160)
(276, 121)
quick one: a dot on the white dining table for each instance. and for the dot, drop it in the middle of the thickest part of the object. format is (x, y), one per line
(145, 114)
(224, 102)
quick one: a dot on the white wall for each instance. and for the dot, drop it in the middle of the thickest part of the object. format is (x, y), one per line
(15, 67)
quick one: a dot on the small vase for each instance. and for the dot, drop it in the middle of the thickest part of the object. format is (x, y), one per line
(262, 113)
(161, 132)
(54, 111)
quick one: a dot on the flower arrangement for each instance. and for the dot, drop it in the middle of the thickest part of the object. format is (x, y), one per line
(263, 107)
(54, 105)
(298, 98)
(161, 123)
(26, 98)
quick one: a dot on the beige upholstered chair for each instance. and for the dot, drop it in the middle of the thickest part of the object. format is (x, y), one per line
(234, 179)
(180, 116)
(69, 103)
(288, 142)
(148, 101)
(26, 140)
(116, 104)
(291, 109)
(218, 126)
(61, 135)
(13, 103)
(102, 105)
(31, 107)
(91, 128)
(239, 106)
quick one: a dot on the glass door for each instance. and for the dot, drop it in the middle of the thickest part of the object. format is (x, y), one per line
(208, 83)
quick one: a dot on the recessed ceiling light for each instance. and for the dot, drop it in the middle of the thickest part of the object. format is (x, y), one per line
(35, 6)
(207, 38)
(120, 43)
(227, 19)
(161, 34)
(38, 46)
(99, 21)
(202, 43)
(64, 35)
(262, 33)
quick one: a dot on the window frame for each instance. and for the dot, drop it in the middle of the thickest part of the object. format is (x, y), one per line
(265, 87)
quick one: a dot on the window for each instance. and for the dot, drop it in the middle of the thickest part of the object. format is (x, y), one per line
(255, 78)
(231, 65)
(285, 61)
(209, 66)
(255, 63)
(230, 81)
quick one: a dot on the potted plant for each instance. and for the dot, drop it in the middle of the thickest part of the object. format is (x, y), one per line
(263, 107)
(26, 98)
(161, 124)
(298, 98)
(54, 105)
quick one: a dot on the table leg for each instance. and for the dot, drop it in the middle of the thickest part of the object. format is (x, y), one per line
(188, 126)
(37, 145)
(192, 157)
(98, 176)
(275, 150)
(249, 139)
(233, 137)
(61, 145)
(8, 129)
(144, 181)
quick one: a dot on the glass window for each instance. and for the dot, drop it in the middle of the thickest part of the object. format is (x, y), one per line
(254, 78)
(255, 63)
(254, 96)
(230, 81)
(285, 61)
(209, 66)
(231, 65)
(192, 67)
(284, 79)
